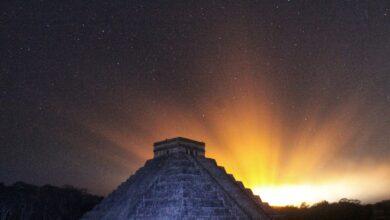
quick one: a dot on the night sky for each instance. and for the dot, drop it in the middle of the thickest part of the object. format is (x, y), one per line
(290, 96)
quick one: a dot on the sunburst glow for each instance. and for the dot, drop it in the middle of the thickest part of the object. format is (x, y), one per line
(286, 151)
(285, 163)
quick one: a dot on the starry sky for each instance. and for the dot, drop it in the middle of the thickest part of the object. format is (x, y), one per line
(290, 96)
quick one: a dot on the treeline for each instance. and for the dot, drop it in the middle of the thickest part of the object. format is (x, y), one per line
(25, 201)
(28, 202)
(344, 209)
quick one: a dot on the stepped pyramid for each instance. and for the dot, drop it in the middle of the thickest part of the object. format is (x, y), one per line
(180, 183)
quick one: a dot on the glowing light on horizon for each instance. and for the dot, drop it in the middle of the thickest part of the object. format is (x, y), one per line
(245, 131)
(310, 194)
(352, 186)
(293, 194)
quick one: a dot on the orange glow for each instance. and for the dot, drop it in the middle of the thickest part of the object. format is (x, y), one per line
(246, 132)
(349, 186)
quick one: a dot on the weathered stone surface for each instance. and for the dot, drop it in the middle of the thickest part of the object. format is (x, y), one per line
(180, 185)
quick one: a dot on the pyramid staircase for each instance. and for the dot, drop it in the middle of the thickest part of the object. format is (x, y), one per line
(180, 185)
(248, 201)
(128, 193)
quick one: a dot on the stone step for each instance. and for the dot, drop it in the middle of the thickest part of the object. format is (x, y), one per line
(201, 185)
(156, 213)
(203, 194)
(202, 202)
(179, 178)
(239, 184)
(258, 199)
(231, 177)
(243, 197)
(209, 212)
(125, 190)
(182, 170)
(155, 202)
(179, 164)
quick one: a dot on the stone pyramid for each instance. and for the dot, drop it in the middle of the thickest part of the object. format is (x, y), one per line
(180, 183)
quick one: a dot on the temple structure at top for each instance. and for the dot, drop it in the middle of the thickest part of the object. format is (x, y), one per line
(179, 144)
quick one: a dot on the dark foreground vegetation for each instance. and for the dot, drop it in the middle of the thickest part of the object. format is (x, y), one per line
(344, 209)
(25, 201)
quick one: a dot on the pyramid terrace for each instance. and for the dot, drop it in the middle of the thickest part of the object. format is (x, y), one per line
(180, 183)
